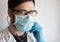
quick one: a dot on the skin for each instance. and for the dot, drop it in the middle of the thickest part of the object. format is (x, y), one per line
(26, 6)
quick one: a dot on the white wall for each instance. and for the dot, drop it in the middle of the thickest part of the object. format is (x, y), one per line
(48, 18)
(3, 14)
(59, 19)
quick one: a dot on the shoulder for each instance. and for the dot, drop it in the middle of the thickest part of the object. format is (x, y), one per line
(4, 33)
(6, 36)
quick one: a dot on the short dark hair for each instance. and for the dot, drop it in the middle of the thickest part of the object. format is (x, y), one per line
(13, 3)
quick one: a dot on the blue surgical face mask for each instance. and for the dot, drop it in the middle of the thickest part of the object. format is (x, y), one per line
(23, 23)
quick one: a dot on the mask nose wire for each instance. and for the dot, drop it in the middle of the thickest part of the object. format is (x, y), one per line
(8, 21)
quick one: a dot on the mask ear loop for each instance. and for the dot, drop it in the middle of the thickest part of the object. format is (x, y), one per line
(8, 20)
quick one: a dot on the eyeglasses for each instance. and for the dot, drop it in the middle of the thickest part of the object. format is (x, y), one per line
(25, 12)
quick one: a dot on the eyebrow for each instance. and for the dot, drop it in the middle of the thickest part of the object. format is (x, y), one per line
(22, 10)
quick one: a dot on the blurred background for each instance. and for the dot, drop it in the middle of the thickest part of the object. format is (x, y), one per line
(48, 18)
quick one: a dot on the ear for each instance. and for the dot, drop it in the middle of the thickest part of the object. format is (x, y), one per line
(10, 13)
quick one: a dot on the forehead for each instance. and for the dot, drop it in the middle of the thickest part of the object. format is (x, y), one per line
(26, 6)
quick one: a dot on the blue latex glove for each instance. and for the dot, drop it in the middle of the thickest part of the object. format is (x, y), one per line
(37, 32)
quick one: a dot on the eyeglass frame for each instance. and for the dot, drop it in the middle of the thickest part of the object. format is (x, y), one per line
(26, 11)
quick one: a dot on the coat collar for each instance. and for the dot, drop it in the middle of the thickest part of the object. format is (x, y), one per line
(10, 38)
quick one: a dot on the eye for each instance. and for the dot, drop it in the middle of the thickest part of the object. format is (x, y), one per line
(31, 12)
(22, 12)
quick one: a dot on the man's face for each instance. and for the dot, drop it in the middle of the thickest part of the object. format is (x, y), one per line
(28, 6)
